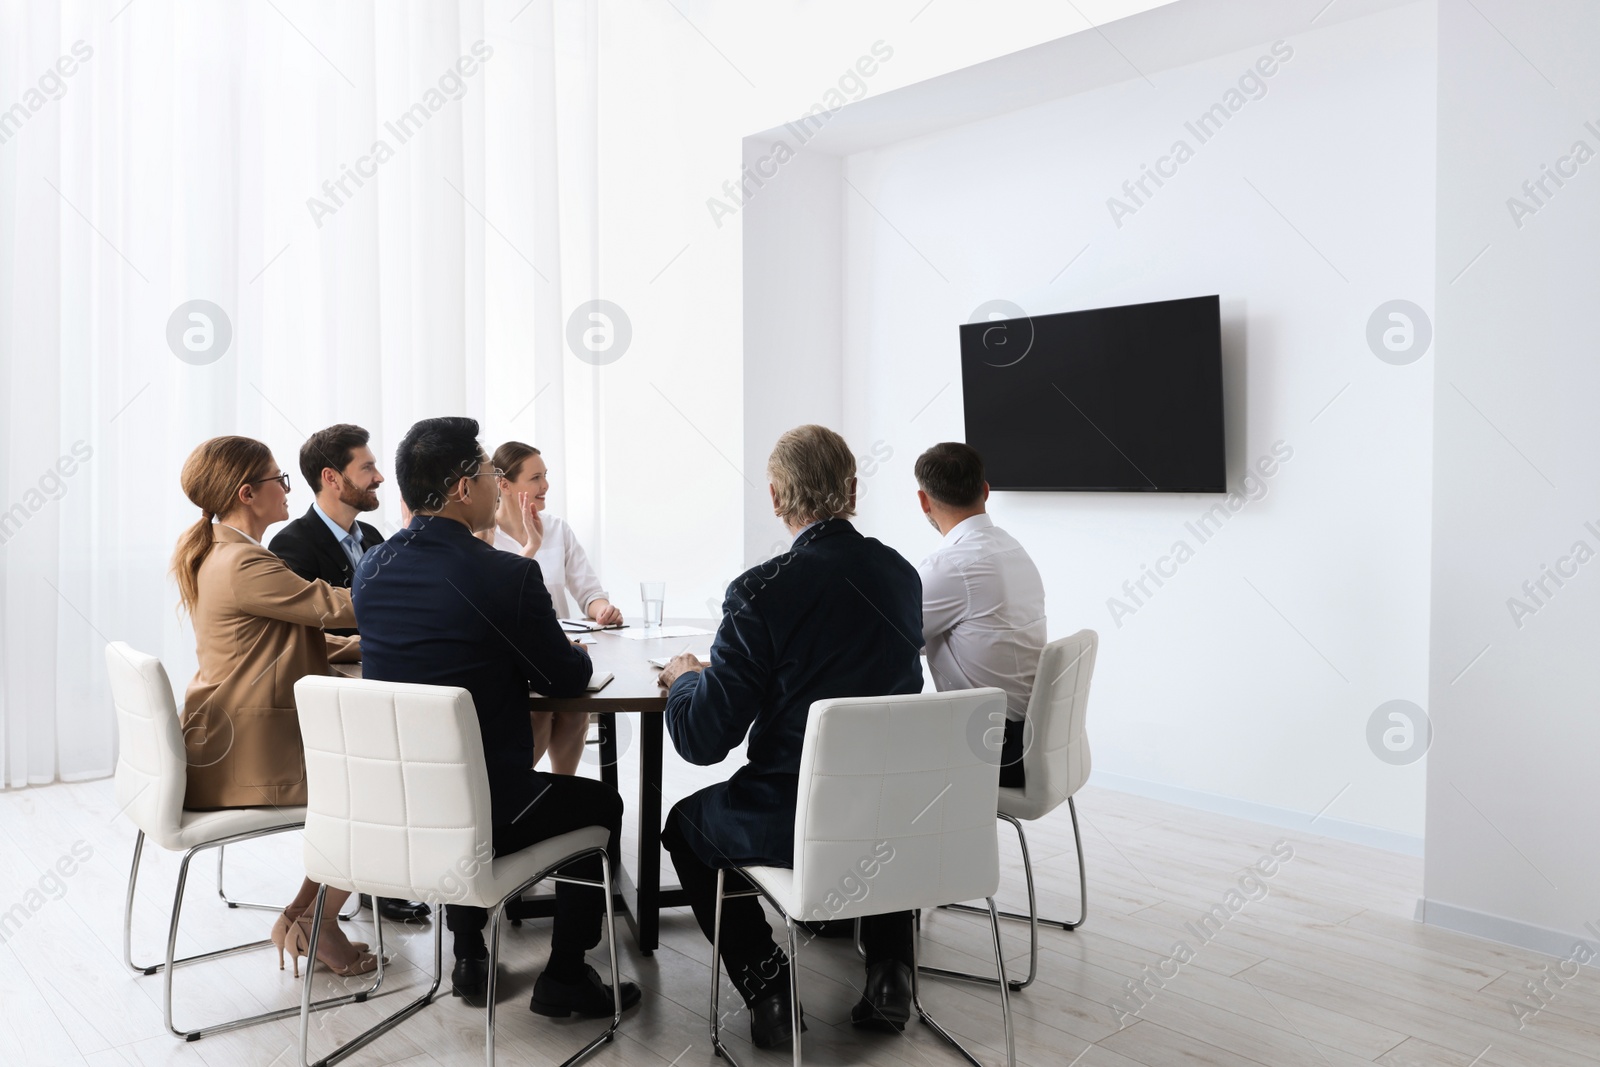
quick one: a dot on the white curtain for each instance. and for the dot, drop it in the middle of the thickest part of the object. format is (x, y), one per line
(393, 204)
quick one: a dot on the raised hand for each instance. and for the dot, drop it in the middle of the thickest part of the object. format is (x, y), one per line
(532, 523)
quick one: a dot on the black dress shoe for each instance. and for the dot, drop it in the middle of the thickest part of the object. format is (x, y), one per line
(396, 910)
(770, 1022)
(886, 1004)
(470, 981)
(587, 996)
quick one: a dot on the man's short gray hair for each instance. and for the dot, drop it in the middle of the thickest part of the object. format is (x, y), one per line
(814, 474)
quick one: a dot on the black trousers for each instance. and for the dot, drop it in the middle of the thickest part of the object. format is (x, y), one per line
(565, 803)
(1011, 750)
(753, 960)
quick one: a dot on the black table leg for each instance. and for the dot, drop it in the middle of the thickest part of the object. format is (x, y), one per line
(608, 748)
(647, 879)
(608, 769)
(640, 896)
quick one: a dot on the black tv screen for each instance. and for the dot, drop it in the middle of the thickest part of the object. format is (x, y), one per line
(1122, 399)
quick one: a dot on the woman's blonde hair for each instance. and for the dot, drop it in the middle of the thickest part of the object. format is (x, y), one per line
(211, 479)
(814, 473)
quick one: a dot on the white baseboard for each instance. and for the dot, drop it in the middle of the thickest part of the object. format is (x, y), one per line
(1304, 822)
(1546, 942)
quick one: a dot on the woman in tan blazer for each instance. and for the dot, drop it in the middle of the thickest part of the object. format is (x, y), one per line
(258, 629)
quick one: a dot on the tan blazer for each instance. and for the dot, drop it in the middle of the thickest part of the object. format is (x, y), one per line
(258, 630)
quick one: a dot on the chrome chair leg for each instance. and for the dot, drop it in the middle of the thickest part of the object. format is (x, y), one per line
(387, 1023)
(127, 913)
(1032, 917)
(494, 967)
(496, 917)
(1003, 985)
(1083, 877)
(717, 1046)
(794, 987)
(282, 1013)
(716, 971)
(354, 906)
(604, 885)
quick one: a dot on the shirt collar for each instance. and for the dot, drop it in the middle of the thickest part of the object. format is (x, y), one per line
(980, 521)
(242, 534)
(802, 532)
(339, 533)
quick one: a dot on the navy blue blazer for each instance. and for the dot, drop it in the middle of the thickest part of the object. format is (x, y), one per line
(837, 615)
(439, 607)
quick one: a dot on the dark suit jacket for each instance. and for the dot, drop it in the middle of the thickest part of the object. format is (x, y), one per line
(837, 615)
(439, 607)
(310, 550)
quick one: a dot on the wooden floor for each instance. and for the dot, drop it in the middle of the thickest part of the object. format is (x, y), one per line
(1327, 968)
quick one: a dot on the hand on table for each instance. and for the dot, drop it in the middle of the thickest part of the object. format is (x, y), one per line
(678, 666)
(604, 612)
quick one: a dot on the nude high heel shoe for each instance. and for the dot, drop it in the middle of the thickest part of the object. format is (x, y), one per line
(298, 940)
(280, 938)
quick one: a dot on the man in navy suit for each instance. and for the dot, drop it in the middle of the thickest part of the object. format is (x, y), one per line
(440, 607)
(837, 615)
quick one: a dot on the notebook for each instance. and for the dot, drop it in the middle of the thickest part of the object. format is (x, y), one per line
(600, 681)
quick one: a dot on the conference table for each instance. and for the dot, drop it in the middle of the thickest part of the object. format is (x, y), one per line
(633, 690)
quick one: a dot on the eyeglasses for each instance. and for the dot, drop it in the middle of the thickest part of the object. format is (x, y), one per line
(496, 471)
(281, 479)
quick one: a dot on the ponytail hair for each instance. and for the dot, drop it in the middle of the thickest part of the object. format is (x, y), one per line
(211, 479)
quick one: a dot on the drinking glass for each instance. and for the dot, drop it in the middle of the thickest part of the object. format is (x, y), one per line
(654, 596)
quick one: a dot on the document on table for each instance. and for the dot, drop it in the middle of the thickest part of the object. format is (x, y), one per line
(639, 633)
(600, 681)
(658, 662)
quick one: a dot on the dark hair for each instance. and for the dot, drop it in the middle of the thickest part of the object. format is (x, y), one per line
(510, 457)
(433, 456)
(952, 473)
(332, 447)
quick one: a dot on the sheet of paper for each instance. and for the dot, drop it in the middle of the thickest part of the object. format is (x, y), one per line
(639, 633)
(659, 662)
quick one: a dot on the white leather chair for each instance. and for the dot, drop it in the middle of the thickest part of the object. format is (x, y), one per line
(151, 779)
(398, 806)
(1055, 766)
(878, 773)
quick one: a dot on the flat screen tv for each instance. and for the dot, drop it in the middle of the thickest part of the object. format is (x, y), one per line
(1121, 399)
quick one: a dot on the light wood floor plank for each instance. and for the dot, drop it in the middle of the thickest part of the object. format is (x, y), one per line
(1328, 969)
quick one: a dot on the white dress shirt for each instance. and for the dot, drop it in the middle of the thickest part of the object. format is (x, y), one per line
(983, 612)
(240, 532)
(564, 564)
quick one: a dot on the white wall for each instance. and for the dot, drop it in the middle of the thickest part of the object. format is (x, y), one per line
(1513, 845)
(1252, 673)
(681, 86)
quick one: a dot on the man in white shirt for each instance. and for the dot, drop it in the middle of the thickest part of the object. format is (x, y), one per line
(983, 617)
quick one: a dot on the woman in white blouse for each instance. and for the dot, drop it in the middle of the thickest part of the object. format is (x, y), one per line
(521, 528)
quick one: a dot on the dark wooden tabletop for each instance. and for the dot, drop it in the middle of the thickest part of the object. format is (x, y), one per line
(634, 686)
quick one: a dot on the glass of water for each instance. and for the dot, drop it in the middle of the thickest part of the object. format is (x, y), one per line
(654, 596)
